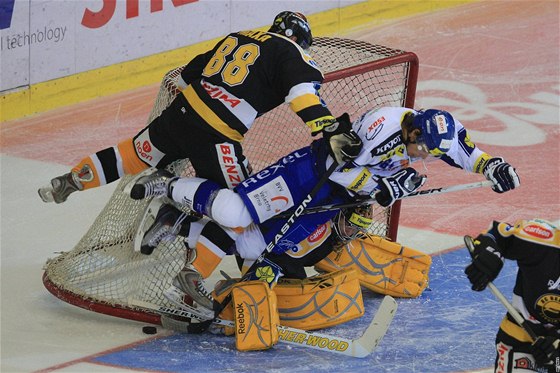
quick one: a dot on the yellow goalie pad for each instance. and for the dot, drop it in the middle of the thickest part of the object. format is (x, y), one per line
(320, 301)
(255, 315)
(382, 266)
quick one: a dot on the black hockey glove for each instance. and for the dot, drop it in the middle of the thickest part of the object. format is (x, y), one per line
(487, 262)
(398, 185)
(344, 143)
(545, 350)
(502, 174)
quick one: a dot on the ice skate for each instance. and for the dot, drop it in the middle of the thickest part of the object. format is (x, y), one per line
(190, 282)
(153, 185)
(62, 186)
(167, 225)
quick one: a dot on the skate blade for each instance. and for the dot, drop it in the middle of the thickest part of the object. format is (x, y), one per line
(148, 219)
(176, 297)
(46, 194)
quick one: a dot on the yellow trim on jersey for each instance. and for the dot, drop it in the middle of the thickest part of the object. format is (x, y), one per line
(480, 163)
(209, 116)
(360, 181)
(318, 124)
(514, 330)
(304, 101)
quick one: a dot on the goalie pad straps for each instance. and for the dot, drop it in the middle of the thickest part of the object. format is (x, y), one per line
(320, 301)
(383, 266)
(256, 316)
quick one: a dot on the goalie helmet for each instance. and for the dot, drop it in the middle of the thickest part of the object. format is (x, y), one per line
(293, 24)
(352, 223)
(437, 130)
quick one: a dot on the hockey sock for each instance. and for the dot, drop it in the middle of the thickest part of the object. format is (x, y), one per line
(213, 244)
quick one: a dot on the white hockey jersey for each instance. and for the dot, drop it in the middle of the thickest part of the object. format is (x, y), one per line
(384, 152)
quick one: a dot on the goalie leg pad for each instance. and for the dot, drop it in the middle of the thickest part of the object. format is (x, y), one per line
(320, 301)
(256, 316)
(383, 266)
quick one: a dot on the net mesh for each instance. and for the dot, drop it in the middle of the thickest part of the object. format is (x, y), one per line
(104, 270)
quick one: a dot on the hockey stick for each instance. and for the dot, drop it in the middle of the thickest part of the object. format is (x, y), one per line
(360, 347)
(469, 242)
(335, 206)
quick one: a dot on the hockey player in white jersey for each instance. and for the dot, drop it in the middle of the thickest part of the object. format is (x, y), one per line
(393, 138)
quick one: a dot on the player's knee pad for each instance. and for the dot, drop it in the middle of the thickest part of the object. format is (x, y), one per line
(382, 266)
(229, 210)
(320, 301)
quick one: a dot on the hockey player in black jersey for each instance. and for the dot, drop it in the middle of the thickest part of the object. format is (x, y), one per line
(224, 90)
(535, 245)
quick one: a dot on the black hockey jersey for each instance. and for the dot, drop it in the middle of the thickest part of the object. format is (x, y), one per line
(249, 73)
(535, 245)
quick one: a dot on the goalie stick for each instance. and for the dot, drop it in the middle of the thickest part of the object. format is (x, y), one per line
(469, 242)
(359, 347)
(336, 206)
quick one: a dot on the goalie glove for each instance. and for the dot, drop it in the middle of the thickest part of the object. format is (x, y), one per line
(344, 143)
(398, 186)
(501, 174)
(545, 350)
(486, 264)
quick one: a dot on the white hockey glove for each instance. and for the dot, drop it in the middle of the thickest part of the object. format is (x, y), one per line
(502, 174)
(398, 185)
(344, 143)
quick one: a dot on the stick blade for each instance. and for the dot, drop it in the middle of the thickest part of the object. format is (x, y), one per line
(469, 242)
(375, 332)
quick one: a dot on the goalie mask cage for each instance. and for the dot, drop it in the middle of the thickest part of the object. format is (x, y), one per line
(103, 272)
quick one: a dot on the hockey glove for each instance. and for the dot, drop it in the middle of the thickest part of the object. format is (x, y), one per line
(344, 143)
(545, 350)
(502, 174)
(397, 186)
(487, 262)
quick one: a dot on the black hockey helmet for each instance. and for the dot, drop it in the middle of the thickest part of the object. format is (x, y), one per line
(293, 24)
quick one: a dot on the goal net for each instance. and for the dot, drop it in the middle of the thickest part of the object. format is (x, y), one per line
(103, 273)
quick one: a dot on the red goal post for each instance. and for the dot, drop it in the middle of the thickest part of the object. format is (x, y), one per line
(102, 273)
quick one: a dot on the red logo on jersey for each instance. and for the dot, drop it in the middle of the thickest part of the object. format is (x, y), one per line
(281, 198)
(221, 94)
(502, 357)
(228, 161)
(318, 234)
(376, 123)
(538, 231)
(146, 147)
(143, 150)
